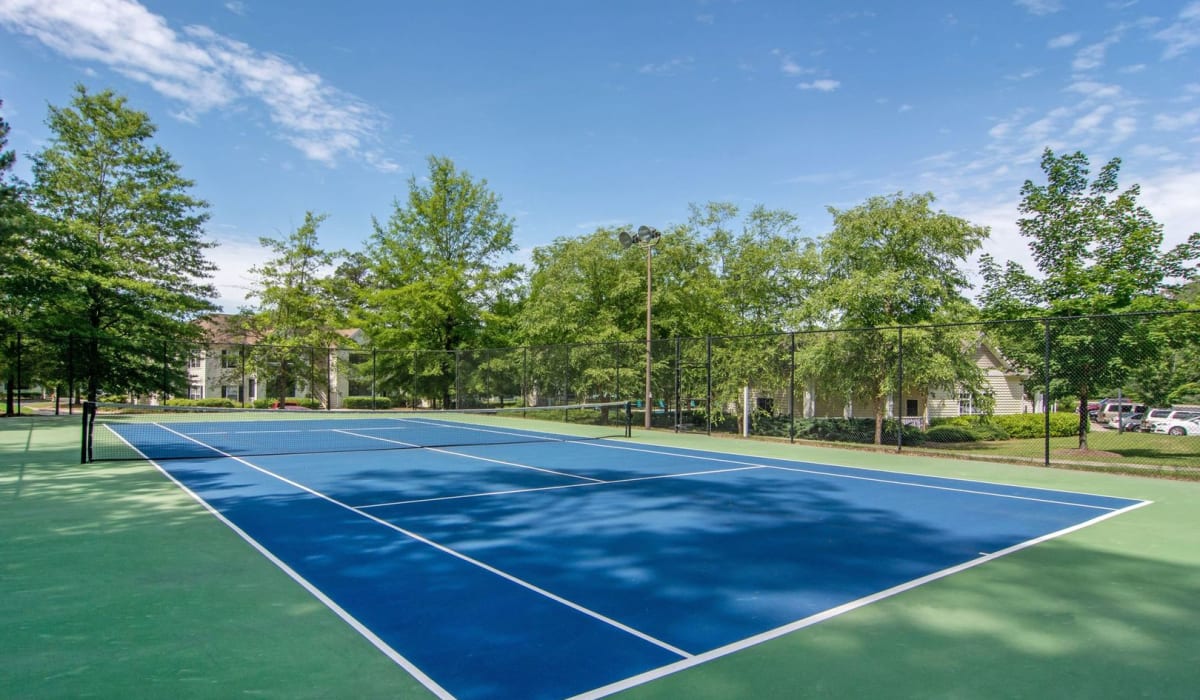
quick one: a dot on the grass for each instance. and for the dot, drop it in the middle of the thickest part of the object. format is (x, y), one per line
(1104, 448)
(114, 583)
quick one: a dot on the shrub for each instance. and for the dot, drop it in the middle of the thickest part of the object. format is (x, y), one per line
(950, 433)
(205, 403)
(366, 402)
(1031, 425)
(215, 403)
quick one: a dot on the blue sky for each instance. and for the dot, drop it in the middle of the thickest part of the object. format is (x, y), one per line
(581, 114)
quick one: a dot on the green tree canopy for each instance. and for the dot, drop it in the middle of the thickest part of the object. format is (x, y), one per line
(888, 262)
(296, 320)
(437, 278)
(1098, 252)
(123, 246)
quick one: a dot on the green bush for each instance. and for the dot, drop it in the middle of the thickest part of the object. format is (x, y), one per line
(950, 433)
(215, 403)
(1031, 425)
(205, 403)
(366, 402)
(291, 401)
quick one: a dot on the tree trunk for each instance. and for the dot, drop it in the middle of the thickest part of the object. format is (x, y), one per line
(878, 423)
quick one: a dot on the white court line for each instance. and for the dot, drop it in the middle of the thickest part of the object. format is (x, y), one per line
(881, 480)
(471, 456)
(349, 619)
(458, 555)
(558, 487)
(707, 656)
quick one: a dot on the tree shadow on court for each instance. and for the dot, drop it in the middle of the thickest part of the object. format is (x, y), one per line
(1058, 620)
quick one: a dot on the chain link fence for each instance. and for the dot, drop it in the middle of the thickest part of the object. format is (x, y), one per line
(1092, 391)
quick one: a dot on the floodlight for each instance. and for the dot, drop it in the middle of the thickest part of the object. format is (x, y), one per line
(626, 239)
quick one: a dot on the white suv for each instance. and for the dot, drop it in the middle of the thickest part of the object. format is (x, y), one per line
(1162, 415)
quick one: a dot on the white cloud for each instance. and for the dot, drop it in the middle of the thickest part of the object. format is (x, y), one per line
(1184, 34)
(1091, 56)
(1171, 198)
(237, 8)
(789, 66)
(1123, 128)
(1024, 75)
(234, 257)
(203, 70)
(1090, 122)
(1159, 153)
(1063, 41)
(823, 85)
(670, 67)
(1040, 7)
(1095, 90)
(1175, 122)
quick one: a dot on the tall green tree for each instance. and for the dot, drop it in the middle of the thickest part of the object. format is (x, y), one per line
(1098, 252)
(296, 320)
(124, 246)
(437, 274)
(892, 261)
(16, 223)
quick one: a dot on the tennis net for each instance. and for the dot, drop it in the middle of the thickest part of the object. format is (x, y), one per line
(126, 431)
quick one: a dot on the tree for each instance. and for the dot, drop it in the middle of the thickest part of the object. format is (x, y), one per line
(297, 317)
(891, 261)
(436, 275)
(123, 246)
(1099, 252)
(15, 225)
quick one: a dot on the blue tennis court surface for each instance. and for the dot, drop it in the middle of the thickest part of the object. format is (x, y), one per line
(557, 569)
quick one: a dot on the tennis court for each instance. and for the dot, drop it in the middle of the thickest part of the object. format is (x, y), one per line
(494, 560)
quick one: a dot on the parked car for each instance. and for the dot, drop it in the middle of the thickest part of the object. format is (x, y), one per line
(1111, 409)
(1174, 426)
(1131, 422)
(1159, 415)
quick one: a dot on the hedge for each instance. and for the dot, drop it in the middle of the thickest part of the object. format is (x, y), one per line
(1032, 425)
(366, 402)
(205, 403)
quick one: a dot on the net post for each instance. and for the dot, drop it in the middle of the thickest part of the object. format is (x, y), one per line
(628, 419)
(85, 440)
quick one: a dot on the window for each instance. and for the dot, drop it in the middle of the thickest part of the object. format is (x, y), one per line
(230, 392)
(196, 391)
(252, 389)
(230, 359)
(195, 360)
(966, 404)
(912, 407)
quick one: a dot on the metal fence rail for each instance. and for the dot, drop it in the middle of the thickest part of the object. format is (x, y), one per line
(1078, 390)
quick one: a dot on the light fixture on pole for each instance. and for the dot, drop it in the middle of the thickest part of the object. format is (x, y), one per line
(645, 237)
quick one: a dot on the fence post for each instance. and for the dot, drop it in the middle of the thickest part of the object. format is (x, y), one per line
(792, 392)
(678, 381)
(708, 385)
(617, 370)
(900, 388)
(458, 378)
(70, 374)
(373, 353)
(1046, 395)
(242, 375)
(165, 383)
(19, 368)
(330, 357)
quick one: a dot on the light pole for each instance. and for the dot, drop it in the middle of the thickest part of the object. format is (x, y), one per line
(646, 237)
